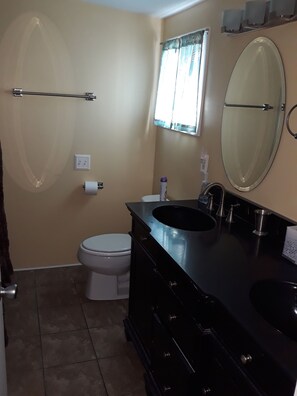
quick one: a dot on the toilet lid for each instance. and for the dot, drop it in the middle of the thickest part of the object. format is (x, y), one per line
(108, 243)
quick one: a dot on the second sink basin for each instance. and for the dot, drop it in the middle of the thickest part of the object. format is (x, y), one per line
(276, 302)
(184, 218)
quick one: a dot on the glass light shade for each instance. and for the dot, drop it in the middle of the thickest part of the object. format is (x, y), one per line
(232, 20)
(255, 12)
(283, 8)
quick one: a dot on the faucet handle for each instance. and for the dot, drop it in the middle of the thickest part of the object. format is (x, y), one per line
(229, 218)
(203, 199)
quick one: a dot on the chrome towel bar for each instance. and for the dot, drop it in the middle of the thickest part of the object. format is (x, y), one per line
(18, 92)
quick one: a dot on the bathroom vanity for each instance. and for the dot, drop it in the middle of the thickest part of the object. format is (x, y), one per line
(191, 316)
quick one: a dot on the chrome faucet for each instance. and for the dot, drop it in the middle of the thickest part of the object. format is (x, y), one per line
(220, 212)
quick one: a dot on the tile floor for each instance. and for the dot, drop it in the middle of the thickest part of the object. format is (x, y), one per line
(62, 344)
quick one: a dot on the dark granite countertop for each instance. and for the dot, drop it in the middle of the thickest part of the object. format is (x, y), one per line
(224, 263)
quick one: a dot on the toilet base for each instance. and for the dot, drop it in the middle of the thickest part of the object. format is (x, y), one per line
(107, 287)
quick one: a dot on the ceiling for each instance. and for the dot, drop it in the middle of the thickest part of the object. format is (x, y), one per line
(156, 8)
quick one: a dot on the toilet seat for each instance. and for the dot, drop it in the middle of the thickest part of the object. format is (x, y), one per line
(111, 245)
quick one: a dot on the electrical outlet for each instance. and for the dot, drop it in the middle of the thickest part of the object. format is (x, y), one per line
(82, 161)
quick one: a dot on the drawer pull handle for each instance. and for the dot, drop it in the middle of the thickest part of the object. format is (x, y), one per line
(166, 388)
(172, 317)
(172, 283)
(143, 238)
(245, 359)
(166, 355)
(206, 391)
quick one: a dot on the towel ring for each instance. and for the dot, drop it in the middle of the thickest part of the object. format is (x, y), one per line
(288, 122)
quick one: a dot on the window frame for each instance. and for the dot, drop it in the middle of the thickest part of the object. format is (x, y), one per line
(201, 83)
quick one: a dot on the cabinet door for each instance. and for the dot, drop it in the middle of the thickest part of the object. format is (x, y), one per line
(142, 293)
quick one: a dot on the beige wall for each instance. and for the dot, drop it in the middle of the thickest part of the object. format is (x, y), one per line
(61, 45)
(71, 46)
(178, 155)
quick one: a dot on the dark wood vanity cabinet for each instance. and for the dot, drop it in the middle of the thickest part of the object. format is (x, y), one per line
(142, 296)
(176, 330)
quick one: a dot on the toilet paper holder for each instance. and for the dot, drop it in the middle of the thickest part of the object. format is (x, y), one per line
(100, 186)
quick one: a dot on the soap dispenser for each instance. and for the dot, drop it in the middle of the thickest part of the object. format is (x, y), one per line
(204, 158)
(163, 188)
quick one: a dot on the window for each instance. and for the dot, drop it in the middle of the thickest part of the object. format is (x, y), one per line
(181, 80)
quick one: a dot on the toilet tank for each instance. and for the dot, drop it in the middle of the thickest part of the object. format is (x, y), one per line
(151, 198)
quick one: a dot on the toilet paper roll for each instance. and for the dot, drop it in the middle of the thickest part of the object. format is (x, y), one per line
(91, 187)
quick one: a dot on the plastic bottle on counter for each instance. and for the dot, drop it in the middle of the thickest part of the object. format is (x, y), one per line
(204, 182)
(204, 159)
(163, 188)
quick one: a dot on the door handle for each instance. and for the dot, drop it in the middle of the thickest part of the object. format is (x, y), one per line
(10, 291)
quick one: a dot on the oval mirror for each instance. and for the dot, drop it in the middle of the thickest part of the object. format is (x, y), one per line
(253, 114)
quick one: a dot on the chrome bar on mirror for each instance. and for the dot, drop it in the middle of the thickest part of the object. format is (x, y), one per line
(264, 106)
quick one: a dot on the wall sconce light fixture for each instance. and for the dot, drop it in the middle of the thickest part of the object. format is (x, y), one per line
(232, 20)
(283, 8)
(256, 13)
(259, 14)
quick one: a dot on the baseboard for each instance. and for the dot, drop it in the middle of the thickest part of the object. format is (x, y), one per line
(47, 267)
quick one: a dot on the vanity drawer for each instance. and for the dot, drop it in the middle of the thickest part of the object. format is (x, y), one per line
(184, 289)
(170, 368)
(251, 359)
(221, 375)
(181, 326)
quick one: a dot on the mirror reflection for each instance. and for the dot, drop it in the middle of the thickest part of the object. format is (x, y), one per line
(253, 114)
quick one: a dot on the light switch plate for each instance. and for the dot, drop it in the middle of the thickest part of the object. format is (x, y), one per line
(82, 161)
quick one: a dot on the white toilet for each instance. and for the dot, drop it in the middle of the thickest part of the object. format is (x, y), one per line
(107, 258)
(151, 198)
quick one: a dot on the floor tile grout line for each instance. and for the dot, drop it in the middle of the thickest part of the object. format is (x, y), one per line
(82, 310)
(67, 331)
(103, 380)
(64, 332)
(69, 363)
(99, 368)
(39, 326)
